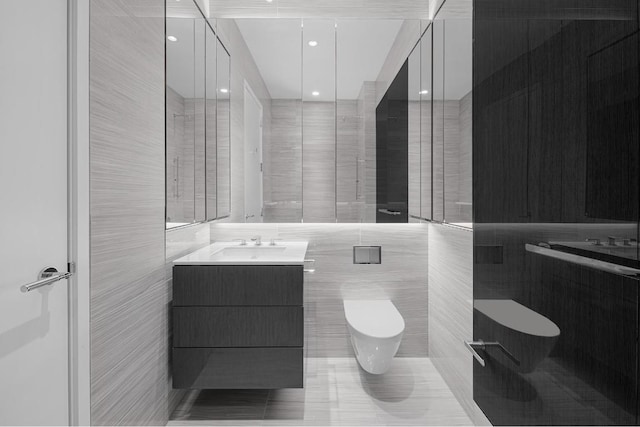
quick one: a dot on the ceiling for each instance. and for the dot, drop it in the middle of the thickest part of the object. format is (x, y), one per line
(348, 53)
(385, 9)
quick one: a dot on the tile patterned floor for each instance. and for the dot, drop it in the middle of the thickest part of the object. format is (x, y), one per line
(337, 392)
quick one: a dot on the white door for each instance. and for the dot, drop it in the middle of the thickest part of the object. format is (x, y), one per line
(253, 157)
(33, 215)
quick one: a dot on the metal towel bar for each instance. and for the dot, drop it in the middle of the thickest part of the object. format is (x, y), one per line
(483, 346)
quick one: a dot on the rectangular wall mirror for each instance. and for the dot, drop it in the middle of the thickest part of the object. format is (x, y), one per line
(197, 118)
(347, 120)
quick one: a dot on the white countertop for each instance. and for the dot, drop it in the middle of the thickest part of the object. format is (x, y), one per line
(233, 253)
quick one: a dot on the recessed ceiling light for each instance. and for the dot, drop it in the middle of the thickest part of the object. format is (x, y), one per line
(172, 38)
(269, 1)
(423, 92)
(313, 43)
(223, 90)
(315, 93)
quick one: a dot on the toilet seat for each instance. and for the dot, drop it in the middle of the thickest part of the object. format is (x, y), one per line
(516, 316)
(374, 318)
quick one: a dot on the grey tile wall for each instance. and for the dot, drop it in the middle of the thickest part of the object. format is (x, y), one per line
(465, 157)
(451, 311)
(129, 292)
(285, 167)
(319, 162)
(415, 152)
(339, 160)
(426, 166)
(350, 163)
(367, 112)
(402, 277)
(451, 160)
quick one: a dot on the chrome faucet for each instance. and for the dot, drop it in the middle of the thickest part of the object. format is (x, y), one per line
(596, 242)
(243, 242)
(273, 242)
(612, 241)
(257, 239)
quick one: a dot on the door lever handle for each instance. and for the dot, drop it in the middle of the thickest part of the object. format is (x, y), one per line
(46, 277)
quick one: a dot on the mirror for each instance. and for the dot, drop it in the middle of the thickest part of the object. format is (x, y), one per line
(319, 121)
(346, 120)
(276, 49)
(426, 146)
(197, 119)
(453, 37)
(211, 126)
(325, 78)
(223, 132)
(184, 113)
(363, 48)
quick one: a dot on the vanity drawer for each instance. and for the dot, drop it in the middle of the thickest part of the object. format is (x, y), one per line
(197, 285)
(237, 368)
(238, 327)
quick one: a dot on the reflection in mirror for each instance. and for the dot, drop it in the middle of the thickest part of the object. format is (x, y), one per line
(318, 123)
(426, 92)
(325, 78)
(415, 134)
(363, 46)
(211, 125)
(457, 115)
(185, 28)
(438, 119)
(223, 132)
(276, 48)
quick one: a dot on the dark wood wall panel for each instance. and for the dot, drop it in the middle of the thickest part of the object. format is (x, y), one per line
(556, 157)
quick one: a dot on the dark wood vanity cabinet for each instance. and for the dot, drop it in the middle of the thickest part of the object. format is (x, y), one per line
(237, 326)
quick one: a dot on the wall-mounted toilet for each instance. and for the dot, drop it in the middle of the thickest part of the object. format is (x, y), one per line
(376, 329)
(527, 334)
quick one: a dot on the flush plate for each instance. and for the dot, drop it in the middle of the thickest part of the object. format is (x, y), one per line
(367, 254)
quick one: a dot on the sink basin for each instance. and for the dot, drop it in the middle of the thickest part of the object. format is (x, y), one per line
(233, 253)
(249, 252)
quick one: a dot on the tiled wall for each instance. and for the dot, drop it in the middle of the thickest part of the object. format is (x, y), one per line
(319, 161)
(402, 277)
(307, 173)
(367, 137)
(350, 162)
(129, 293)
(451, 311)
(284, 167)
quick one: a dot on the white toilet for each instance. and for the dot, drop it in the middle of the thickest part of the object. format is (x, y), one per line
(376, 329)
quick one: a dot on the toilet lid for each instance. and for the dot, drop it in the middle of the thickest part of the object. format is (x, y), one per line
(516, 316)
(374, 318)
